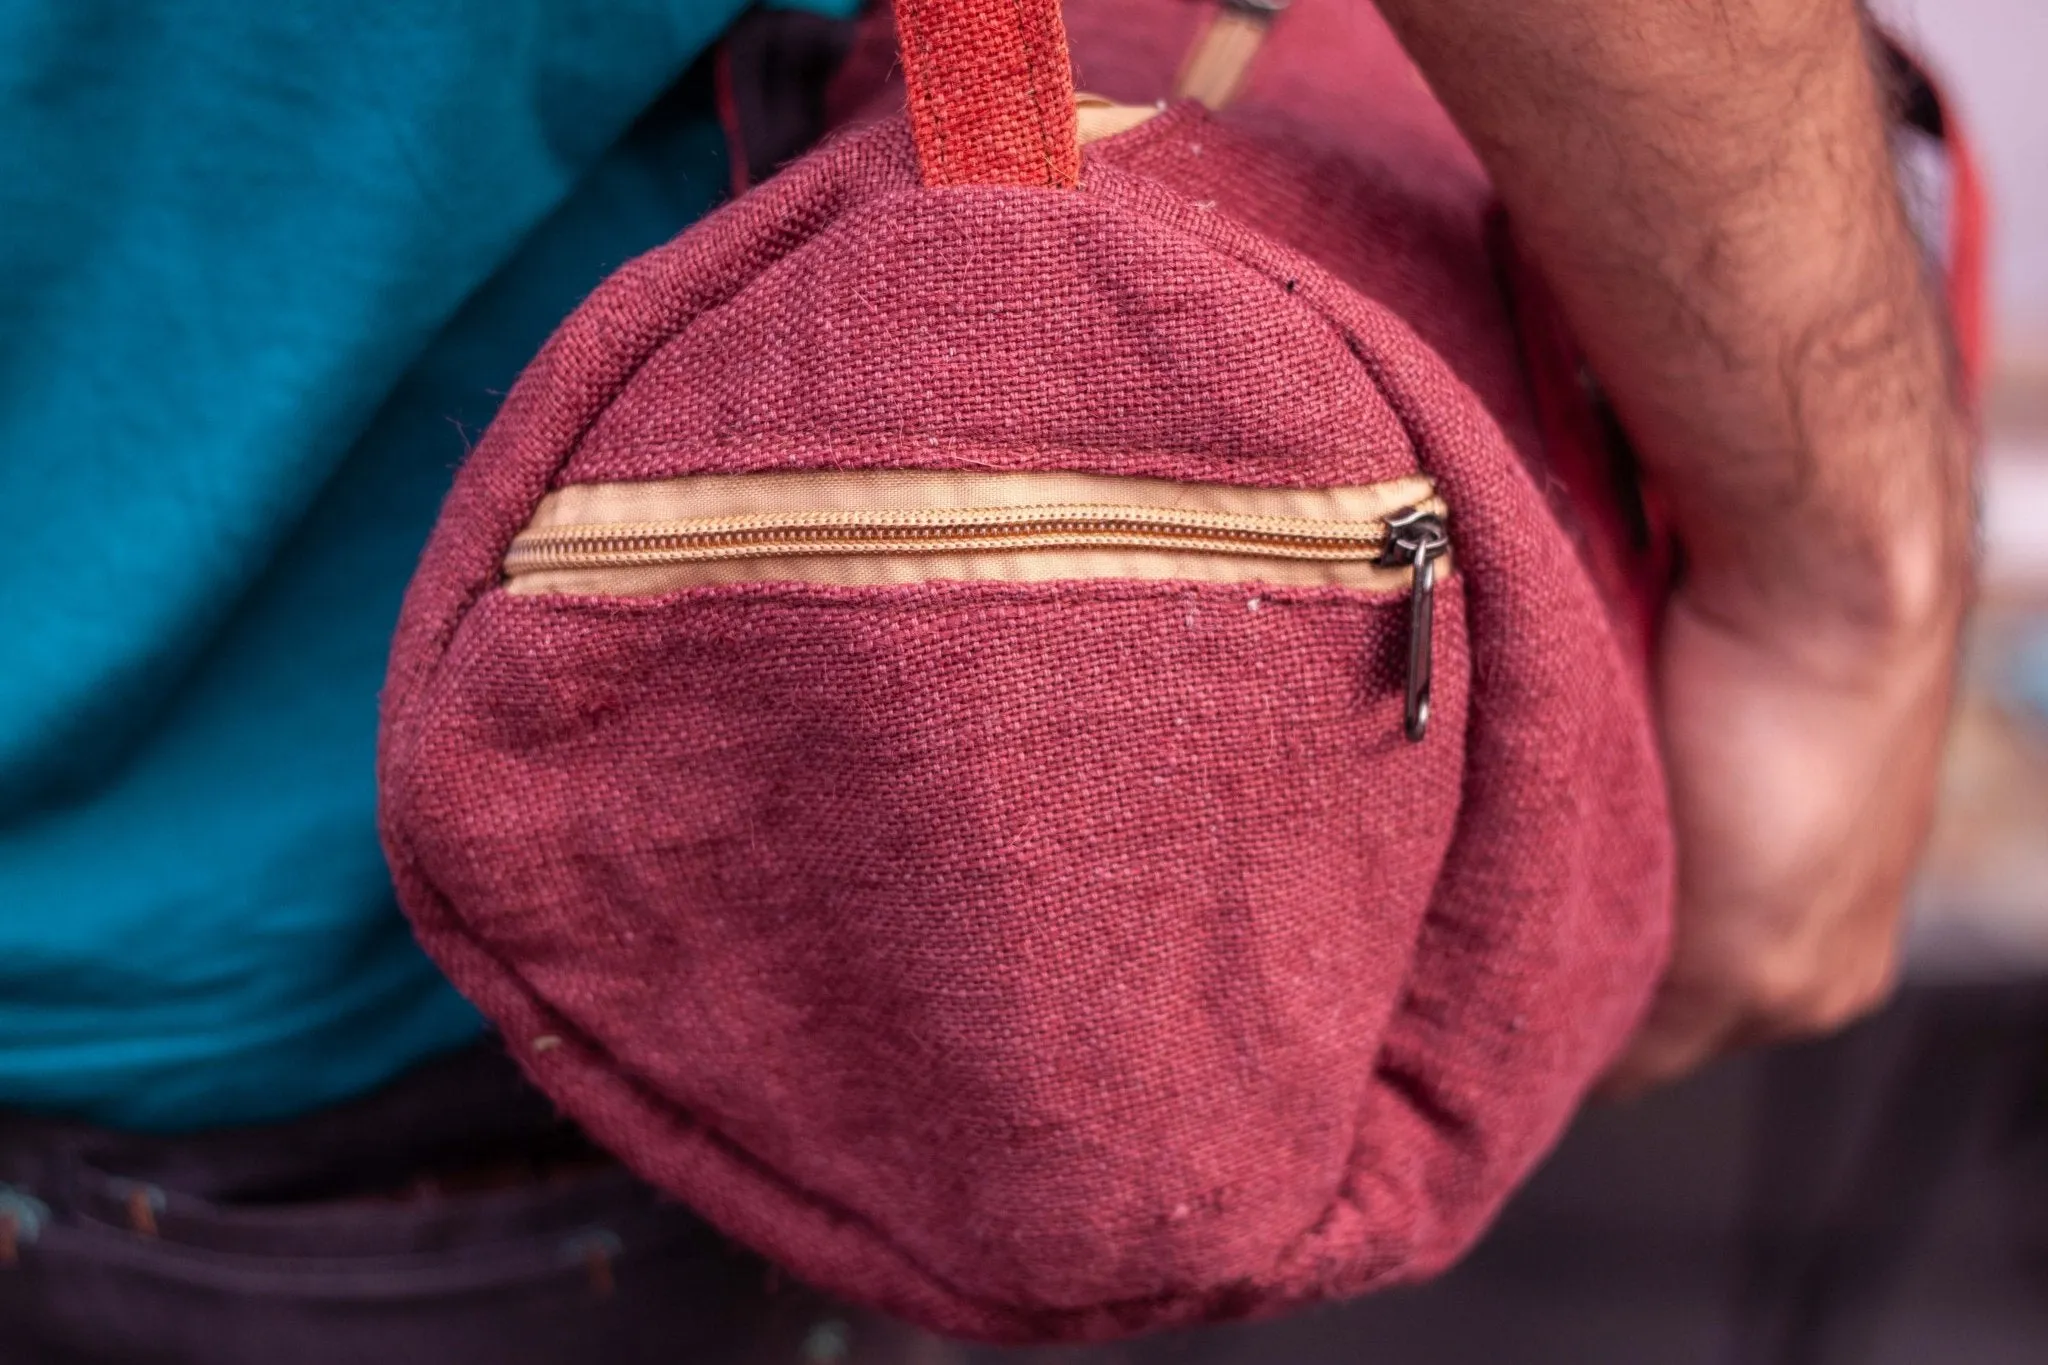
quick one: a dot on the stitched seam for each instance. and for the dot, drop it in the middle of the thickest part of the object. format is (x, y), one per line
(1031, 73)
(925, 102)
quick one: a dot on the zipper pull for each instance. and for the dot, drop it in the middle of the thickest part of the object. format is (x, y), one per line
(1418, 538)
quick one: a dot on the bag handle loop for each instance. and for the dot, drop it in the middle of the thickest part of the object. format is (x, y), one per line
(991, 92)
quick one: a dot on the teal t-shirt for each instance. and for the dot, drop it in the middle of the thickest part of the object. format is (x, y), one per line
(265, 270)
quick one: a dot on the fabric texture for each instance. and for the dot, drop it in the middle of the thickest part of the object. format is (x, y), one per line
(991, 92)
(1062, 960)
(265, 271)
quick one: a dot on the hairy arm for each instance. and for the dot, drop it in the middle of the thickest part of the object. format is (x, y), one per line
(1708, 186)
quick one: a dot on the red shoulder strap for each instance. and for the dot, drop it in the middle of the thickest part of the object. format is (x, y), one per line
(991, 92)
(1968, 230)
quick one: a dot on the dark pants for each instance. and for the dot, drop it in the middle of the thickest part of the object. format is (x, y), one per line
(448, 1219)
(1882, 1196)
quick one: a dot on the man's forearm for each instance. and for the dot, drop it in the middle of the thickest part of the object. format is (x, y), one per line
(1707, 184)
(1709, 188)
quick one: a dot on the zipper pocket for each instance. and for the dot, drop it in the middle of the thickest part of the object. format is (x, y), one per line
(880, 527)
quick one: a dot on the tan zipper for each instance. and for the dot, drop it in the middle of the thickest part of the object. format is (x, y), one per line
(878, 527)
(872, 527)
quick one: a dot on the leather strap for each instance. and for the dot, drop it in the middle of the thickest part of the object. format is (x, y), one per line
(991, 92)
(1221, 56)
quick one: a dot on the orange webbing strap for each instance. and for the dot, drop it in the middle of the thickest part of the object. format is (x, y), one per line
(991, 92)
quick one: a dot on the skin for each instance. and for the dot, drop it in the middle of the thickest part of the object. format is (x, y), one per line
(1707, 184)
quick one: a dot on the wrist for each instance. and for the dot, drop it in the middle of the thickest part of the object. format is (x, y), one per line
(1842, 601)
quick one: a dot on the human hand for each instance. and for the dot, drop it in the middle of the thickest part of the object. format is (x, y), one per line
(1803, 766)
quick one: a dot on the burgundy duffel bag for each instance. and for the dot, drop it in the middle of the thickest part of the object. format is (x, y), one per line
(1056, 740)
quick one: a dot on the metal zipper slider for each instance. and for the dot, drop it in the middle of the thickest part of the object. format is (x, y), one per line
(1417, 538)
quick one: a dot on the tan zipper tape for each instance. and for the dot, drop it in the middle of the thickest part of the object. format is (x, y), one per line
(872, 527)
(1096, 118)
